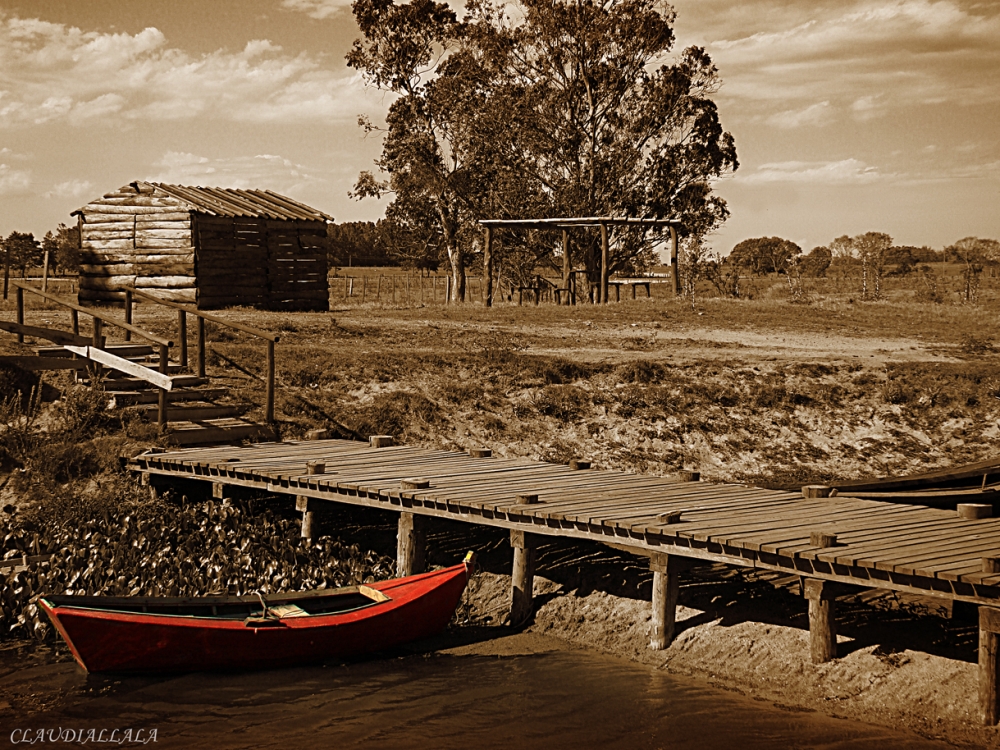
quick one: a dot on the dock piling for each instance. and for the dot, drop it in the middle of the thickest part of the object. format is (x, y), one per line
(822, 625)
(666, 586)
(989, 640)
(523, 577)
(411, 544)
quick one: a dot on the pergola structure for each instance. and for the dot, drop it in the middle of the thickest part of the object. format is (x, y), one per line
(575, 222)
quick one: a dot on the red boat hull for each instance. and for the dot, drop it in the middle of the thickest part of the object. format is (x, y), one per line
(106, 641)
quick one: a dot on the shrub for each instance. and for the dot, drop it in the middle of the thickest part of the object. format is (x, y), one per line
(564, 402)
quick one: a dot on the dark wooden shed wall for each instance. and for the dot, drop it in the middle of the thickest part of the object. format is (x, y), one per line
(155, 242)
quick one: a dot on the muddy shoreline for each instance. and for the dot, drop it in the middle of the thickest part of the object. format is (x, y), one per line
(908, 690)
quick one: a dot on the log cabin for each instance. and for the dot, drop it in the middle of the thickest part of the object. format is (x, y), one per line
(212, 247)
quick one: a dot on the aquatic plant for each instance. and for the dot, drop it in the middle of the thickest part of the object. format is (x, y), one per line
(170, 549)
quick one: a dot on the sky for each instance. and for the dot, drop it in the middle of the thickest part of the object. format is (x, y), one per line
(848, 116)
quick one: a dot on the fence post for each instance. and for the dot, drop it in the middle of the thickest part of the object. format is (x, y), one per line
(128, 312)
(269, 408)
(74, 317)
(201, 347)
(182, 333)
(19, 294)
(161, 410)
(45, 273)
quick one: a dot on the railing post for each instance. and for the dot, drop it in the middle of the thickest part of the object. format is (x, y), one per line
(97, 343)
(128, 313)
(74, 317)
(182, 334)
(161, 412)
(201, 347)
(269, 408)
(96, 339)
(19, 294)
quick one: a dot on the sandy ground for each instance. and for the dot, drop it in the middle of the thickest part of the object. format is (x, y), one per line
(910, 690)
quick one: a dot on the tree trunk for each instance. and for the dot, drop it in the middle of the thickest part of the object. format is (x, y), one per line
(455, 257)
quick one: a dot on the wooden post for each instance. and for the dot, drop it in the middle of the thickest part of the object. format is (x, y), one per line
(378, 289)
(989, 640)
(269, 397)
(447, 290)
(308, 516)
(96, 337)
(6, 271)
(488, 268)
(674, 276)
(523, 575)
(182, 334)
(364, 288)
(822, 625)
(604, 264)
(411, 544)
(201, 347)
(74, 318)
(45, 272)
(128, 312)
(666, 586)
(161, 411)
(19, 296)
(566, 266)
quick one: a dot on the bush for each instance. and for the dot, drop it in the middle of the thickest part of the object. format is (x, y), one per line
(564, 402)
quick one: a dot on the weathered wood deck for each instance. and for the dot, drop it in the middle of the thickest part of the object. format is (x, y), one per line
(878, 544)
(828, 541)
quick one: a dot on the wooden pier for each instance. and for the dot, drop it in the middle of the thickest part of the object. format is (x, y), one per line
(829, 541)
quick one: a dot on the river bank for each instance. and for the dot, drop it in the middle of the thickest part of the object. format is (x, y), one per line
(906, 689)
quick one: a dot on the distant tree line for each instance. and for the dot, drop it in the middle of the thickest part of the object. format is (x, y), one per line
(870, 257)
(20, 251)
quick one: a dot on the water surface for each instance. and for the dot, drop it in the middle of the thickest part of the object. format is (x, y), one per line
(551, 701)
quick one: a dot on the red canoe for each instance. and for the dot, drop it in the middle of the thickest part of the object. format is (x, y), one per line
(166, 634)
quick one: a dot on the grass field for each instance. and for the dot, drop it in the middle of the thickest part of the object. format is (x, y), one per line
(754, 390)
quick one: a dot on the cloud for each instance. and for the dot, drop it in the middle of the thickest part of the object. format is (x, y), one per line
(814, 114)
(262, 171)
(868, 55)
(51, 72)
(318, 9)
(14, 181)
(70, 189)
(845, 172)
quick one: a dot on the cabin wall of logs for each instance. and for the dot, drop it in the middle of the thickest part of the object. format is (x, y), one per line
(142, 237)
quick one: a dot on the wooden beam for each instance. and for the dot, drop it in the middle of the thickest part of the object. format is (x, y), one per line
(487, 268)
(411, 543)
(123, 365)
(822, 625)
(604, 264)
(567, 265)
(989, 640)
(49, 334)
(674, 276)
(40, 364)
(666, 586)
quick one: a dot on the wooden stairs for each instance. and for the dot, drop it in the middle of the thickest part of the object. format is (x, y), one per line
(196, 413)
(187, 408)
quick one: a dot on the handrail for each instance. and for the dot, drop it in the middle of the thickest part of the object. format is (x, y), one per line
(195, 311)
(105, 317)
(98, 340)
(183, 311)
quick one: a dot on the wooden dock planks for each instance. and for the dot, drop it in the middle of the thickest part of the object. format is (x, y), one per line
(878, 544)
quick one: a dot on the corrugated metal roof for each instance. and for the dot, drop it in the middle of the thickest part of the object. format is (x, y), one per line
(258, 204)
